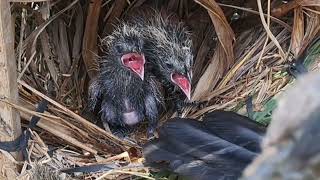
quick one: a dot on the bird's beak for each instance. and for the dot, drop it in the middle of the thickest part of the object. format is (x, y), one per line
(135, 62)
(183, 83)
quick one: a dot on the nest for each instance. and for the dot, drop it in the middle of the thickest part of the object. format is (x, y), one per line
(242, 49)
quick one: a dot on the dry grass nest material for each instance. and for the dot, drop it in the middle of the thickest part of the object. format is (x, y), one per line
(242, 48)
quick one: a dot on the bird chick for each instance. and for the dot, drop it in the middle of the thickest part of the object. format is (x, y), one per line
(219, 147)
(124, 93)
(169, 48)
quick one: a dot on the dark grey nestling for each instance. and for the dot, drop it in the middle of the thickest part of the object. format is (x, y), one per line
(168, 48)
(124, 93)
(290, 149)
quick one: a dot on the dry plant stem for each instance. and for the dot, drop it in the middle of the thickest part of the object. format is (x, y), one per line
(8, 88)
(26, 110)
(23, 25)
(53, 127)
(289, 28)
(312, 10)
(105, 3)
(312, 28)
(26, 66)
(259, 78)
(35, 34)
(285, 8)
(10, 157)
(265, 25)
(213, 107)
(143, 175)
(58, 131)
(124, 155)
(74, 115)
(232, 72)
(267, 39)
(46, 116)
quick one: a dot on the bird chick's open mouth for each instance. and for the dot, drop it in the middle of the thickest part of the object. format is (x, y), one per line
(135, 62)
(183, 83)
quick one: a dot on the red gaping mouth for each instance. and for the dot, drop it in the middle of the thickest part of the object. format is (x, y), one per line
(183, 83)
(135, 62)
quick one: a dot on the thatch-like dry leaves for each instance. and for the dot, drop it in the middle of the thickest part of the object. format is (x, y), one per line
(58, 40)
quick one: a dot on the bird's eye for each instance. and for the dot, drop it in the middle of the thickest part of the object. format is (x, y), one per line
(170, 66)
(118, 48)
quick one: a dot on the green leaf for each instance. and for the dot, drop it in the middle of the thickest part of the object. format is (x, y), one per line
(264, 116)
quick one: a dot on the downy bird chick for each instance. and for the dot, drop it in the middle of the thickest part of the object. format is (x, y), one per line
(169, 49)
(126, 93)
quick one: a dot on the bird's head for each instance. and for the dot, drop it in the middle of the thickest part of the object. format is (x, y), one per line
(172, 51)
(176, 66)
(180, 73)
(169, 46)
(126, 44)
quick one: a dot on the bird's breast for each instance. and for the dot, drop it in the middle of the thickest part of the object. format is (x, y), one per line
(130, 118)
(130, 115)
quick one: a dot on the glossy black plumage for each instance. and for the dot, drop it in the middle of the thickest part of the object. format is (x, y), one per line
(121, 97)
(212, 149)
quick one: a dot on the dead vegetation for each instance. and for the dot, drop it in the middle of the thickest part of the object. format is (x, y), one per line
(242, 48)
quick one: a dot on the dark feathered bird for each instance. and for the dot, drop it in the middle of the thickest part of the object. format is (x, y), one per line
(219, 147)
(124, 93)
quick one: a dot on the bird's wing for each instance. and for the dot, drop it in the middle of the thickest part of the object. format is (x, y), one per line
(235, 128)
(188, 148)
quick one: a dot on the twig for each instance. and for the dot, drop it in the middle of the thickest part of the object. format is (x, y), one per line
(265, 25)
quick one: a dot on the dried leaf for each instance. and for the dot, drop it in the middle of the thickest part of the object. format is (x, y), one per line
(224, 32)
(311, 31)
(211, 76)
(285, 8)
(298, 31)
(114, 17)
(64, 61)
(48, 56)
(90, 39)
